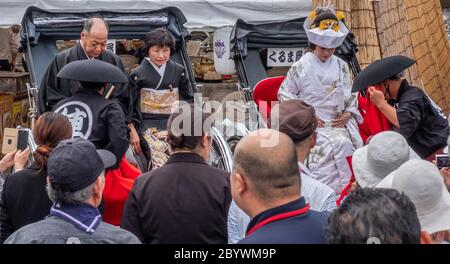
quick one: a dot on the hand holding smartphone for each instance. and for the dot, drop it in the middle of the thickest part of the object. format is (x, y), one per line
(22, 140)
(14, 139)
(442, 161)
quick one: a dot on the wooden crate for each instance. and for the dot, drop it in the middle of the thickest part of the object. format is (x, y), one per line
(16, 118)
(25, 107)
(6, 105)
(14, 82)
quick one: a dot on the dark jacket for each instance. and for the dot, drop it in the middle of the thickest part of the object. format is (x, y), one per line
(54, 230)
(24, 200)
(54, 89)
(305, 228)
(95, 118)
(423, 126)
(184, 201)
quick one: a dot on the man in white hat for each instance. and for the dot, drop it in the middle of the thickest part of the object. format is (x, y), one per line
(324, 81)
(386, 152)
(421, 181)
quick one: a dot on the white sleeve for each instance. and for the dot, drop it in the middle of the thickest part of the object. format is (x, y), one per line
(351, 99)
(237, 223)
(290, 88)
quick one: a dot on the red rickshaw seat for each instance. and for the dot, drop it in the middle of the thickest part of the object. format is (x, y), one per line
(265, 93)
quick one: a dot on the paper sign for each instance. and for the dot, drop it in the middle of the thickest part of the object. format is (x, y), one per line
(283, 57)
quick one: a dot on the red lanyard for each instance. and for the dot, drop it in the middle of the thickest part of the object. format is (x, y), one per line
(279, 217)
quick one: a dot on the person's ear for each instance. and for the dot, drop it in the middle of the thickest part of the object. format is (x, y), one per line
(425, 238)
(239, 183)
(205, 141)
(99, 185)
(83, 35)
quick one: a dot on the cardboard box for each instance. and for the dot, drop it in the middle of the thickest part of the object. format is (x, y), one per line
(14, 82)
(6, 104)
(25, 108)
(16, 116)
(7, 122)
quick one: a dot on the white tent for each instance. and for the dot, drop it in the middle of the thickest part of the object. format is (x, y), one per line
(199, 13)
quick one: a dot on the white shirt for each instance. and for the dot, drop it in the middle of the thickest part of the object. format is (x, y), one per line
(319, 195)
(160, 70)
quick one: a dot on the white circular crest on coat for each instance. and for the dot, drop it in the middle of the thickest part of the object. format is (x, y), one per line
(80, 116)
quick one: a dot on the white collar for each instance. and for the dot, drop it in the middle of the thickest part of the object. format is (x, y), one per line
(320, 62)
(160, 70)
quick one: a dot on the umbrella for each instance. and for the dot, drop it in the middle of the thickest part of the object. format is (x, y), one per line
(92, 71)
(381, 70)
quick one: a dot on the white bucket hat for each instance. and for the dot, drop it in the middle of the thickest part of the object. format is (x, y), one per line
(325, 37)
(385, 153)
(421, 181)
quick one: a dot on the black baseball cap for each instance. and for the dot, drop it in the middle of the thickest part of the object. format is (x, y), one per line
(75, 164)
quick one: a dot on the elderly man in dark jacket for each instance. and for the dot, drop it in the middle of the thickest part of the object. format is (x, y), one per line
(92, 45)
(186, 200)
(268, 190)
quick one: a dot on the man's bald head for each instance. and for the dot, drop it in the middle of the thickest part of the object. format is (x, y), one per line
(96, 24)
(94, 36)
(273, 169)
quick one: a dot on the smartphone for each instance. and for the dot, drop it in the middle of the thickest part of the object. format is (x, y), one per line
(442, 161)
(22, 140)
(10, 136)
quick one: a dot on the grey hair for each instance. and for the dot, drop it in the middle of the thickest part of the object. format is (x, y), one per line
(88, 23)
(74, 198)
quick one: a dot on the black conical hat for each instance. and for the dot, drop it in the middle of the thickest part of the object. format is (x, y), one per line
(381, 70)
(92, 71)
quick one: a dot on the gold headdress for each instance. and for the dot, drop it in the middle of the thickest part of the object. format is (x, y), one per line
(325, 27)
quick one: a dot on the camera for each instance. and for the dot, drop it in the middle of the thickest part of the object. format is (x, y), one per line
(442, 161)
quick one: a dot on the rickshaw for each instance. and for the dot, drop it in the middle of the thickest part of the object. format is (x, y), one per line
(257, 48)
(42, 29)
(253, 44)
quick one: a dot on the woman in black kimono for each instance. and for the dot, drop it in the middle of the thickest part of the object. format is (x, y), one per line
(164, 82)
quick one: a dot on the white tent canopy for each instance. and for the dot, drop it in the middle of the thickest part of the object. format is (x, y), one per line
(199, 13)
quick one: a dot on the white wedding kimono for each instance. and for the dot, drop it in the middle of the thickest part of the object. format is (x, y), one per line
(327, 87)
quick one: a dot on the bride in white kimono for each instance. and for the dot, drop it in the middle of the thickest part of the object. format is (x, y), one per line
(324, 81)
